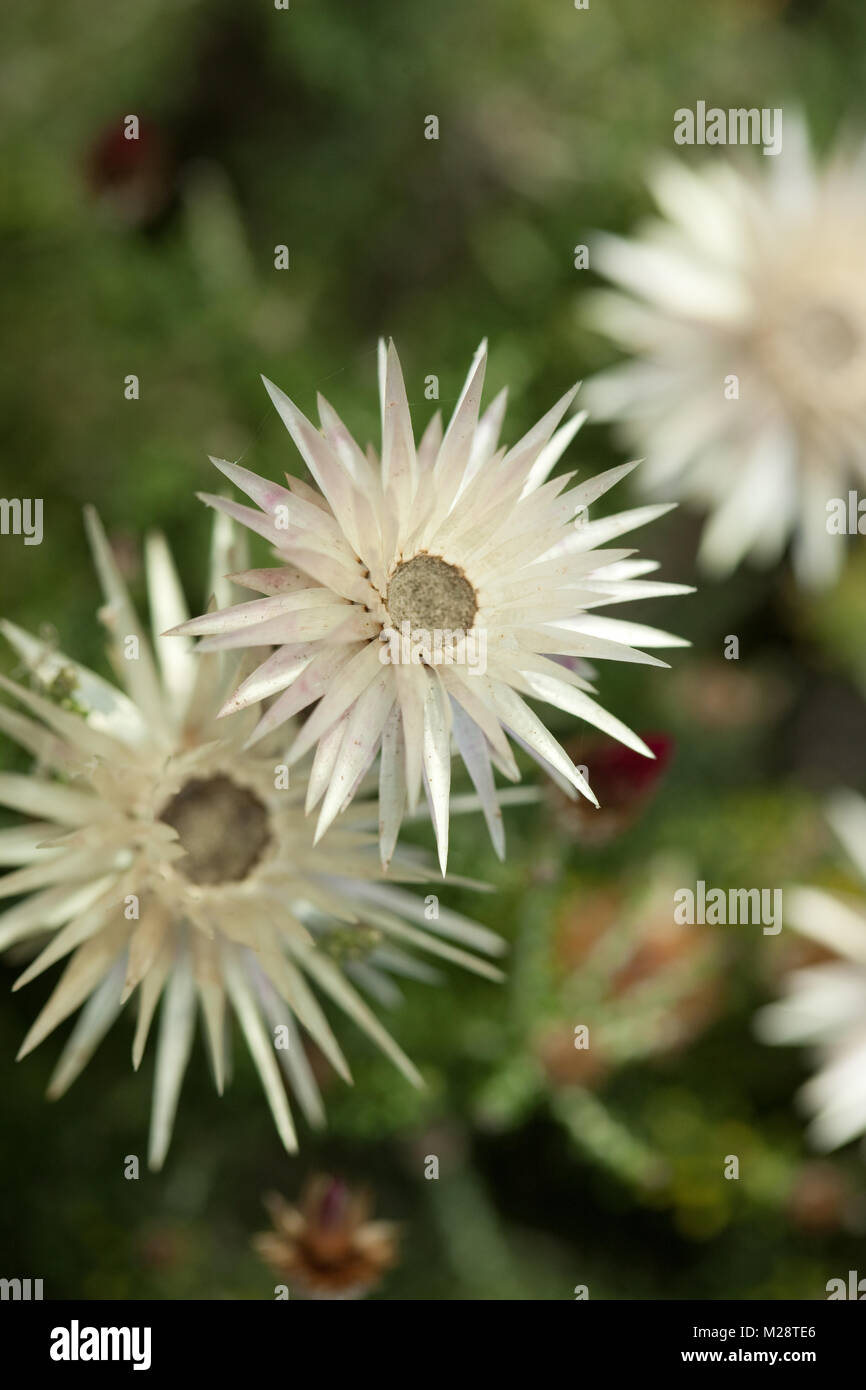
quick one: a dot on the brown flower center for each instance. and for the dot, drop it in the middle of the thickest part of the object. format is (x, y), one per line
(426, 592)
(828, 336)
(222, 826)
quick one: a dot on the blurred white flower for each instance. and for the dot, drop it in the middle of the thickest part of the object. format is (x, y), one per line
(167, 860)
(456, 535)
(745, 312)
(825, 1005)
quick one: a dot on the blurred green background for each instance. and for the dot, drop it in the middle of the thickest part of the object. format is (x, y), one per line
(305, 128)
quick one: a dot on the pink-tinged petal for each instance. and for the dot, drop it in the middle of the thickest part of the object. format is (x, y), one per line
(473, 750)
(228, 552)
(471, 698)
(486, 440)
(311, 496)
(324, 763)
(308, 624)
(582, 644)
(519, 460)
(518, 717)
(430, 443)
(453, 457)
(316, 452)
(399, 467)
(258, 610)
(360, 741)
(596, 533)
(262, 491)
(310, 686)
(631, 634)
(411, 694)
(247, 516)
(392, 785)
(343, 576)
(552, 452)
(588, 492)
(437, 762)
(277, 673)
(346, 449)
(353, 680)
(279, 580)
(575, 702)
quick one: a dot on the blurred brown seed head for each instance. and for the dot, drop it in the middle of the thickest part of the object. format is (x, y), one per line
(326, 1248)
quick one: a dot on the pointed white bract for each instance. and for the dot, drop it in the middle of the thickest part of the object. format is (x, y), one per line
(164, 861)
(425, 596)
(825, 1004)
(744, 312)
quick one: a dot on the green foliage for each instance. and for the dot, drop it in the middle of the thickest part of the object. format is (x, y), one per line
(305, 128)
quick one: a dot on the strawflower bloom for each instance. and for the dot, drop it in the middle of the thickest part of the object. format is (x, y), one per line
(164, 861)
(327, 1247)
(424, 596)
(743, 309)
(825, 1004)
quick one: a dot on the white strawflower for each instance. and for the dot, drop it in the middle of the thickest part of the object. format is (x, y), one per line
(166, 860)
(745, 311)
(825, 1005)
(454, 536)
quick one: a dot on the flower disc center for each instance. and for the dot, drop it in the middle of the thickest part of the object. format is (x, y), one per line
(828, 337)
(223, 827)
(426, 592)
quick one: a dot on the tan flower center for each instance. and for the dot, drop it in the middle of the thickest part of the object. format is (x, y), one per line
(426, 592)
(827, 336)
(222, 826)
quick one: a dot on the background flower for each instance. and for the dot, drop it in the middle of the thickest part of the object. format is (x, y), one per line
(825, 1002)
(745, 312)
(168, 862)
(327, 1247)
